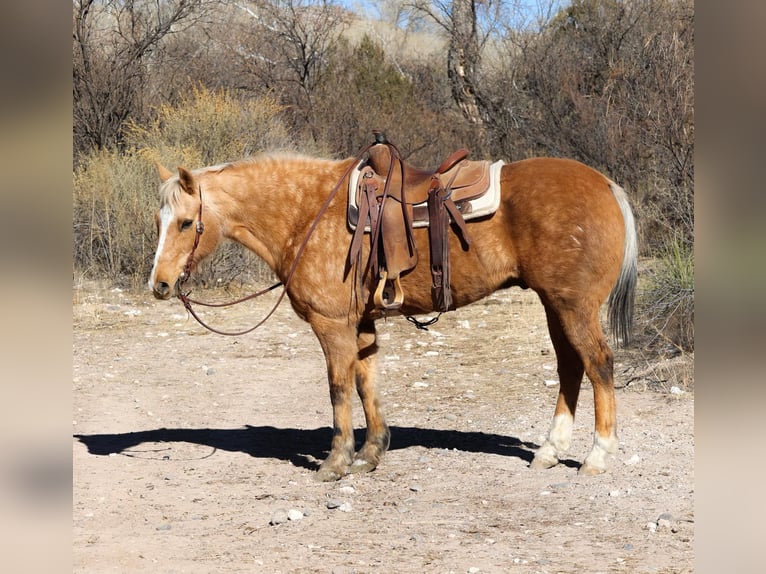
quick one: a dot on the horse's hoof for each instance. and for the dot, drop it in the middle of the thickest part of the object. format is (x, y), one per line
(328, 475)
(589, 470)
(543, 462)
(545, 457)
(361, 465)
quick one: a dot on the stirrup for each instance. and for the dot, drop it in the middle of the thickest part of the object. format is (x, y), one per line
(382, 297)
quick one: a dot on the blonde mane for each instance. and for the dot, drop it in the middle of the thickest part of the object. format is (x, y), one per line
(171, 191)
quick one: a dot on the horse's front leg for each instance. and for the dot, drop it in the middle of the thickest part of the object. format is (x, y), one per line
(338, 341)
(378, 435)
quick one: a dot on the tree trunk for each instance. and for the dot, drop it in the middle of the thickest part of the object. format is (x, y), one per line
(462, 60)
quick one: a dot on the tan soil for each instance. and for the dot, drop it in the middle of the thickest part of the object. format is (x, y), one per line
(187, 444)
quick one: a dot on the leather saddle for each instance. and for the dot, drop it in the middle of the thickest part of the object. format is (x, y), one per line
(466, 180)
(388, 198)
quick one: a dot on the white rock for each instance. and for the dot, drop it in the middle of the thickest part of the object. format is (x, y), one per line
(294, 514)
(675, 390)
(633, 460)
(550, 383)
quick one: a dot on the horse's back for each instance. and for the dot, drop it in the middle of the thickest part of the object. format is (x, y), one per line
(566, 225)
(542, 180)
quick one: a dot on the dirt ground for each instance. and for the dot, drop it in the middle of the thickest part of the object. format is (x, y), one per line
(195, 452)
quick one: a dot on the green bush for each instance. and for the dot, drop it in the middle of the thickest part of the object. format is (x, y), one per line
(668, 300)
(115, 193)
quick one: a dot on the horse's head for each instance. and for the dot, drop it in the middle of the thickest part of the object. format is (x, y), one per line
(182, 241)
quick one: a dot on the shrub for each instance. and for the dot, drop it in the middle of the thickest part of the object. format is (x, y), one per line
(668, 300)
(113, 207)
(115, 193)
(207, 127)
(365, 89)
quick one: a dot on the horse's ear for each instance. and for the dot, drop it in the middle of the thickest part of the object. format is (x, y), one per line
(186, 180)
(165, 173)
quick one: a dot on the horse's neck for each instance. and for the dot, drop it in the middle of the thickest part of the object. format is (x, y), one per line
(267, 208)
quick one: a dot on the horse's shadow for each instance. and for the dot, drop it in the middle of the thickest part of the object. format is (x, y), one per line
(302, 447)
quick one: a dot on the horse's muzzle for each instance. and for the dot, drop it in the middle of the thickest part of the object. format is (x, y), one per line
(162, 290)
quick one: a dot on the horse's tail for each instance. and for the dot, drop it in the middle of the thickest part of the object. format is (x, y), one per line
(621, 298)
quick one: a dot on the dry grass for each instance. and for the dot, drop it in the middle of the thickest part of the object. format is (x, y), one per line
(647, 371)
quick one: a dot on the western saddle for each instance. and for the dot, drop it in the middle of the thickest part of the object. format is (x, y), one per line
(391, 197)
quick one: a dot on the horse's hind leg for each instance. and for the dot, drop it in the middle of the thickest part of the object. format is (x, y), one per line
(570, 370)
(579, 332)
(378, 435)
(599, 366)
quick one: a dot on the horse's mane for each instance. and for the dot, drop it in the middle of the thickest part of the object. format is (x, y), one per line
(279, 156)
(171, 191)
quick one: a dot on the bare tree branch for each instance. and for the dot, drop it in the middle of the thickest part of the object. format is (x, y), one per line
(112, 43)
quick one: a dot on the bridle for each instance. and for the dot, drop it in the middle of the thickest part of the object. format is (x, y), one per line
(200, 228)
(186, 274)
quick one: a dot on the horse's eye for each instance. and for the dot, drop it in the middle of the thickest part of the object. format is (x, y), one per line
(186, 224)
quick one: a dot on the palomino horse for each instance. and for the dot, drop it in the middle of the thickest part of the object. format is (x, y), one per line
(562, 229)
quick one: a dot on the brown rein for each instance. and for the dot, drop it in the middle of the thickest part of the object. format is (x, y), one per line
(200, 228)
(186, 274)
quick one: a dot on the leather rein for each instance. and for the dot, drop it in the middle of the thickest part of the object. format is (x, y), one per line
(186, 275)
(200, 228)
